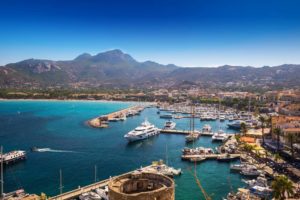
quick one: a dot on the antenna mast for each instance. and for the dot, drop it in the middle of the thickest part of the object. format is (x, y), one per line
(95, 173)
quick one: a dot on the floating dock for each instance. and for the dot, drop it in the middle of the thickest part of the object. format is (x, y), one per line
(179, 132)
(208, 156)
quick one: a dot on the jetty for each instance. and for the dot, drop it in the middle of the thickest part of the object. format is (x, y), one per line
(155, 167)
(208, 156)
(103, 120)
(173, 131)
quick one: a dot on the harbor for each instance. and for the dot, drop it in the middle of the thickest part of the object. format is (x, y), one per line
(110, 151)
(114, 155)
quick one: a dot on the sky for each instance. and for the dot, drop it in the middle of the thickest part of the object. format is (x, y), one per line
(191, 33)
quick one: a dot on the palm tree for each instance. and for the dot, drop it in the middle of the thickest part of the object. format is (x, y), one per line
(291, 139)
(262, 121)
(277, 132)
(248, 147)
(243, 128)
(282, 186)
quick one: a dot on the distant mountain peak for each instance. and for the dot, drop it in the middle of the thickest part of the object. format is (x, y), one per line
(83, 56)
(113, 56)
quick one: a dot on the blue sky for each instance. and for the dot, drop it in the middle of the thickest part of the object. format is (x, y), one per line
(186, 32)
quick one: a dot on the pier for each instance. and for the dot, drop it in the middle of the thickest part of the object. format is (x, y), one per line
(73, 194)
(103, 120)
(179, 132)
(155, 168)
(208, 156)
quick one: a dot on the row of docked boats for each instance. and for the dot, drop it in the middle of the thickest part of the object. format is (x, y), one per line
(97, 194)
(258, 186)
(246, 170)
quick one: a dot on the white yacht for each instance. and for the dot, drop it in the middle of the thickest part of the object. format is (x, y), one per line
(13, 156)
(144, 131)
(219, 136)
(169, 125)
(206, 130)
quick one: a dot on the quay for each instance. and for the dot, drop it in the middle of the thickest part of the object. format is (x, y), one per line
(209, 156)
(179, 132)
(73, 194)
(102, 121)
(154, 168)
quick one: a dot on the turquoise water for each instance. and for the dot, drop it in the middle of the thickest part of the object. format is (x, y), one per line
(60, 125)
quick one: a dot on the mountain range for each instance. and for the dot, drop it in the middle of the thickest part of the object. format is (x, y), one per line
(115, 69)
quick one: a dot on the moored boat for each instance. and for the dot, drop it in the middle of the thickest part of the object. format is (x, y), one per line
(13, 156)
(166, 116)
(144, 131)
(169, 125)
(219, 136)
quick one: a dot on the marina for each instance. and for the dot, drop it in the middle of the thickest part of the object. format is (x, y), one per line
(109, 150)
(224, 155)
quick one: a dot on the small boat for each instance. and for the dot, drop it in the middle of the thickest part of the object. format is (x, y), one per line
(166, 116)
(251, 172)
(219, 136)
(101, 193)
(94, 196)
(123, 118)
(237, 167)
(169, 171)
(169, 125)
(206, 130)
(260, 181)
(192, 137)
(222, 118)
(226, 158)
(84, 196)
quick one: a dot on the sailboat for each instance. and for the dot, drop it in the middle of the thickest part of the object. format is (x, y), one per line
(219, 135)
(193, 135)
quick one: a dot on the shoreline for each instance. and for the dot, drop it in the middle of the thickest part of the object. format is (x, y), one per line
(79, 100)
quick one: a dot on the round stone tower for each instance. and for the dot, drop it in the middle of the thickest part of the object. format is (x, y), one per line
(141, 186)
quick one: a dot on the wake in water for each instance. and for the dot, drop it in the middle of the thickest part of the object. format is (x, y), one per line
(35, 149)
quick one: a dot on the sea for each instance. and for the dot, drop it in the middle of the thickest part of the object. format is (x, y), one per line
(75, 148)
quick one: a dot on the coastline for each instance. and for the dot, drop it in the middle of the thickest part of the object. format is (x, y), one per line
(79, 100)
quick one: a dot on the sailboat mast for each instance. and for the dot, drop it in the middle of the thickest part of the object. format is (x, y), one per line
(2, 182)
(60, 182)
(167, 155)
(95, 173)
(193, 118)
(219, 113)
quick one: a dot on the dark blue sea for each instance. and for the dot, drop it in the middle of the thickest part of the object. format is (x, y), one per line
(76, 148)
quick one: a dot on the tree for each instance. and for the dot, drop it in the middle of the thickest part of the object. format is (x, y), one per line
(243, 128)
(248, 147)
(291, 139)
(282, 186)
(277, 157)
(262, 121)
(277, 132)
